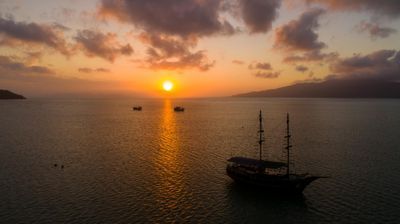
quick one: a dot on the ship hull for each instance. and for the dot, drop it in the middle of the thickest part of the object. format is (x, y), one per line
(293, 184)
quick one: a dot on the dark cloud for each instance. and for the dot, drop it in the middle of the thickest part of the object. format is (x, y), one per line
(10, 66)
(172, 17)
(264, 70)
(106, 46)
(383, 64)
(301, 68)
(381, 7)
(375, 30)
(300, 35)
(173, 53)
(311, 56)
(102, 70)
(267, 75)
(238, 62)
(85, 70)
(32, 33)
(90, 70)
(172, 28)
(258, 15)
(194, 60)
(164, 46)
(260, 66)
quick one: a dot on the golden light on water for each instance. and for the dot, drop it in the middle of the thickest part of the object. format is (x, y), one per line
(168, 86)
(170, 186)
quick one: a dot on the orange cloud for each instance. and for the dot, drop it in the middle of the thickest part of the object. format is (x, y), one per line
(173, 53)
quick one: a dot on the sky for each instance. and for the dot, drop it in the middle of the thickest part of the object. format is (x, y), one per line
(51, 48)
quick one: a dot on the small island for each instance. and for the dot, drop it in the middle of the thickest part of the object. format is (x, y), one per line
(8, 95)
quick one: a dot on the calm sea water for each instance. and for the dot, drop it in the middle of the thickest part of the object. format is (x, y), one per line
(156, 165)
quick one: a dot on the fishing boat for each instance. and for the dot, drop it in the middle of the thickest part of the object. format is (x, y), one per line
(138, 108)
(266, 174)
(179, 109)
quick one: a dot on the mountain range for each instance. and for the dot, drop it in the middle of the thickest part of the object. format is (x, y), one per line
(335, 88)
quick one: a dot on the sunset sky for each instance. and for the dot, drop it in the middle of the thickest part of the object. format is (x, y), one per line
(205, 47)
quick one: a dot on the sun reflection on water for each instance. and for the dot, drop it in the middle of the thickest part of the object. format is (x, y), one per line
(170, 187)
(168, 138)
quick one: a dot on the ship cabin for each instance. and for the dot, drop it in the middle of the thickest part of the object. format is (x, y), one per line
(254, 165)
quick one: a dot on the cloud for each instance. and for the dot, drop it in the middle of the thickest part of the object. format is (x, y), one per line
(172, 28)
(375, 30)
(33, 57)
(90, 70)
(382, 64)
(173, 17)
(260, 66)
(15, 33)
(300, 35)
(258, 15)
(173, 53)
(301, 68)
(267, 75)
(383, 7)
(309, 80)
(166, 46)
(196, 60)
(238, 62)
(42, 81)
(311, 56)
(264, 70)
(106, 46)
(9, 66)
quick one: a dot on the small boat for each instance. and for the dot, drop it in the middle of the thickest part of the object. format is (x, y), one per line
(268, 174)
(179, 109)
(138, 108)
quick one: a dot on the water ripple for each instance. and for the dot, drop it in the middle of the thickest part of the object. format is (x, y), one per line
(158, 166)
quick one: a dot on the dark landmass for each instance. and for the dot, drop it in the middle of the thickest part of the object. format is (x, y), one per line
(334, 89)
(8, 95)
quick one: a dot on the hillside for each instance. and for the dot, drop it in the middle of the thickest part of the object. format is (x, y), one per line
(334, 89)
(8, 95)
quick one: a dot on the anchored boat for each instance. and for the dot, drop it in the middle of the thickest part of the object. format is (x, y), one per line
(267, 174)
(137, 108)
(179, 109)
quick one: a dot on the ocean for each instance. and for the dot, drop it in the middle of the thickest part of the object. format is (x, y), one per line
(98, 161)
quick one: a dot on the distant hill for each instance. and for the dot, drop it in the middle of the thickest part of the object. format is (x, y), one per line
(8, 95)
(334, 89)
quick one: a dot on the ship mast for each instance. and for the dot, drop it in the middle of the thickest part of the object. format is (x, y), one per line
(261, 133)
(288, 146)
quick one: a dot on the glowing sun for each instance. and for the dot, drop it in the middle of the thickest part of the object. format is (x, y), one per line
(168, 86)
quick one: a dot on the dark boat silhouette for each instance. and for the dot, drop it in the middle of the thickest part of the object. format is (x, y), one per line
(138, 108)
(179, 109)
(266, 174)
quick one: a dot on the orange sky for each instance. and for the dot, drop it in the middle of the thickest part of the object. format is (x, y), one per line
(206, 48)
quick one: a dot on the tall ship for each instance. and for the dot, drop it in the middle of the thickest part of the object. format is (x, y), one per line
(266, 174)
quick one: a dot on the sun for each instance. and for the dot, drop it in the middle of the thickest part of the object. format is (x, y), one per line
(168, 86)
